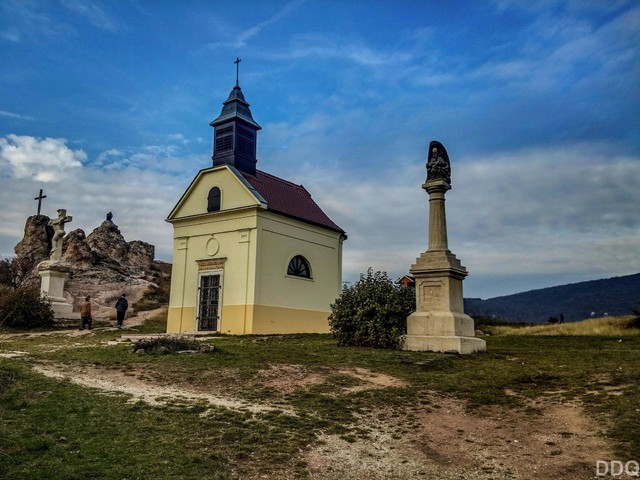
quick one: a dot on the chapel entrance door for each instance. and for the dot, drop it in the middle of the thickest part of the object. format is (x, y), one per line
(209, 303)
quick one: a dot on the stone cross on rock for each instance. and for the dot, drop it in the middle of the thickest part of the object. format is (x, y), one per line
(58, 233)
(39, 198)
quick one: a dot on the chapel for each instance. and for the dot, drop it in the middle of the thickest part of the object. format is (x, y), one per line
(253, 253)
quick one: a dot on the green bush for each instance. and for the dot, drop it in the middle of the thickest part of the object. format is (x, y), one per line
(24, 308)
(372, 312)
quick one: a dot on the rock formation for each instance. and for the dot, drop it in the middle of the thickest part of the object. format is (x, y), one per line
(105, 247)
(76, 251)
(102, 264)
(108, 242)
(35, 246)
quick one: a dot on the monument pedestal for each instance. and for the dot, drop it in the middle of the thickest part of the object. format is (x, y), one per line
(439, 323)
(444, 332)
(53, 276)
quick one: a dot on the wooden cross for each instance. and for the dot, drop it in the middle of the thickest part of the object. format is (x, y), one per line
(237, 62)
(39, 198)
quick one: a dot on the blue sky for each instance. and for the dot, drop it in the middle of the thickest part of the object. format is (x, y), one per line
(106, 105)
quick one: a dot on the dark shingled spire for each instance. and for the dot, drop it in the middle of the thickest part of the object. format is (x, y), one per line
(235, 133)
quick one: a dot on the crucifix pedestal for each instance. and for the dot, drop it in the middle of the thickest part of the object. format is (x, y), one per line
(53, 277)
(54, 273)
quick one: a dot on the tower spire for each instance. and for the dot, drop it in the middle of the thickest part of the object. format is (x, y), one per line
(235, 131)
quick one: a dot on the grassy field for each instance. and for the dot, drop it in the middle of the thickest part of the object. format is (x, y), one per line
(59, 429)
(627, 326)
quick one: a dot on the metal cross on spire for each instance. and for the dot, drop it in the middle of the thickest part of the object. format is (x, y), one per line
(237, 62)
(39, 198)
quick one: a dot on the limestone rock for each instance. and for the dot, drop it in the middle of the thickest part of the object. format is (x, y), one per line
(107, 241)
(76, 250)
(35, 246)
(140, 253)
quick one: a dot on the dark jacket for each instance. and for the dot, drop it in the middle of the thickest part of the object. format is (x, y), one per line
(122, 304)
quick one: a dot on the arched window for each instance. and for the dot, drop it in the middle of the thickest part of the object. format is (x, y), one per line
(299, 267)
(213, 204)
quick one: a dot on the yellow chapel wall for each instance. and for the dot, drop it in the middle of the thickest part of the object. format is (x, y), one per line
(252, 247)
(223, 246)
(213, 242)
(287, 304)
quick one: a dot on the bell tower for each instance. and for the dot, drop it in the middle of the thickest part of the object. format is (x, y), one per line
(235, 132)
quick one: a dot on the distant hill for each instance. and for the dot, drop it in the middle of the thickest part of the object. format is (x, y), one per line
(576, 301)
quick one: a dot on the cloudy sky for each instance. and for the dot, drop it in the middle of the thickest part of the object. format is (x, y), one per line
(106, 105)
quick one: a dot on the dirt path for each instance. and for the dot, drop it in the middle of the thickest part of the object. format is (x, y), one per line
(129, 323)
(448, 442)
(152, 394)
(440, 441)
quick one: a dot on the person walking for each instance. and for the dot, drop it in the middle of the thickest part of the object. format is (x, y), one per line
(121, 308)
(85, 313)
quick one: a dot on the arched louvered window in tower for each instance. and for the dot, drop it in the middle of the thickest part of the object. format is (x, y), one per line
(299, 267)
(214, 200)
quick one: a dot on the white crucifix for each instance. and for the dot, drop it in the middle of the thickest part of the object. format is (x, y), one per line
(58, 233)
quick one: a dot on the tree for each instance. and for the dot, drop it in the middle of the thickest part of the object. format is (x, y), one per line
(372, 312)
(15, 272)
(21, 305)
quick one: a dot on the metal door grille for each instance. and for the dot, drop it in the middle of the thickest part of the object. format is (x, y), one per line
(209, 308)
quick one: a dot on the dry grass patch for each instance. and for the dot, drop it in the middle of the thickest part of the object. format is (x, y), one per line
(606, 327)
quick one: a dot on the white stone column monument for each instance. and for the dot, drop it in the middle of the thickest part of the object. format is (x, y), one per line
(54, 272)
(439, 323)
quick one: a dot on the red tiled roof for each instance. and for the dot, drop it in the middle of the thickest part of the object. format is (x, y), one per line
(289, 199)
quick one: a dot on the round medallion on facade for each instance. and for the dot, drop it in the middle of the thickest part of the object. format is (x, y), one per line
(212, 247)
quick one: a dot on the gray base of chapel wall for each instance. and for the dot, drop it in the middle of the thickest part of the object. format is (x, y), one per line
(442, 332)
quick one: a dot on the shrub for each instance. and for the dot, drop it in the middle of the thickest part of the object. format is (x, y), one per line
(24, 308)
(168, 345)
(372, 312)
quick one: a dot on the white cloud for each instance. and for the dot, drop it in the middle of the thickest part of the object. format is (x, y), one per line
(139, 194)
(10, 36)
(44, 160)
(29, 20)
(246, 35)
(554, 211)
(92, 12)
(16, 116)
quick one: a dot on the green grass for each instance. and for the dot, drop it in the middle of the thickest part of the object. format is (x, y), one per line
(106, 437)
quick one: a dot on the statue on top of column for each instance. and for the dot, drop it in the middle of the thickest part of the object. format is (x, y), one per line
(438, 165)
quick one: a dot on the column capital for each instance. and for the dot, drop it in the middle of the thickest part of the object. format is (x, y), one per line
(435, 186)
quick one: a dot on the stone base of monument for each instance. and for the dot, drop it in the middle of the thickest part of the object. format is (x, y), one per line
(445, 332)
(439, 323)
(54, 275)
